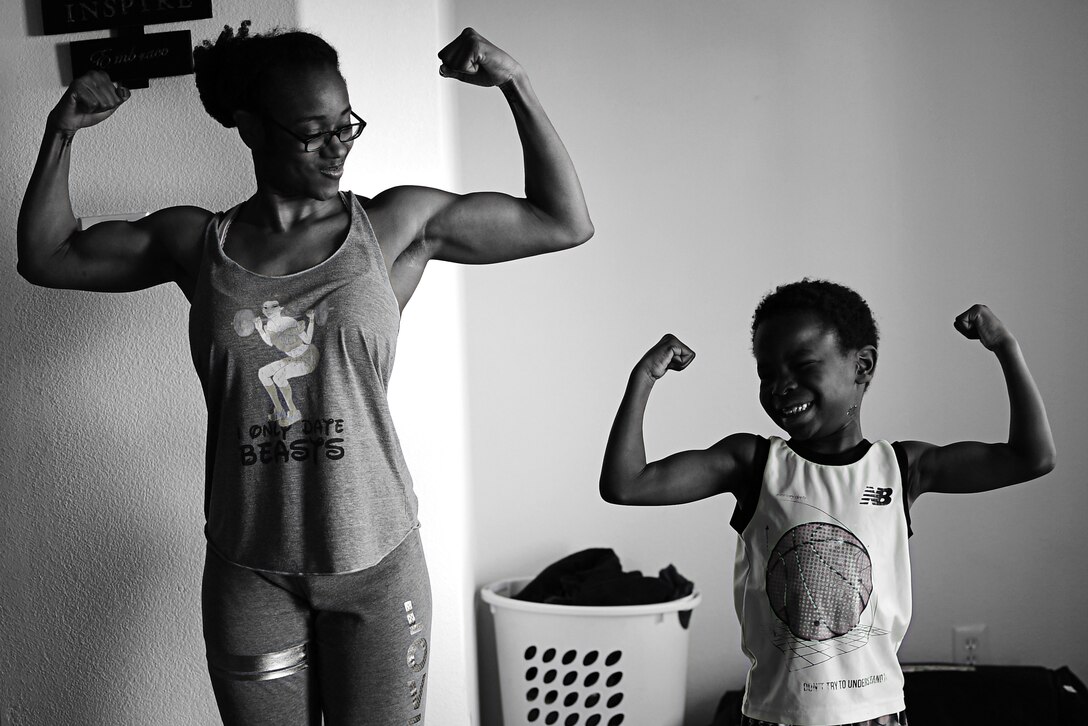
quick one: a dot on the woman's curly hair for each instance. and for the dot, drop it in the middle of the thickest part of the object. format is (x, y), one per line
(232, 72)
(838, 306)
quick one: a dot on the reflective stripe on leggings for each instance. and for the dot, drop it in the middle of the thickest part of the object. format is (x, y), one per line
(264, 667)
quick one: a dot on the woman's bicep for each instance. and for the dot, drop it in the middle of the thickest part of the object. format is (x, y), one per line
(488, 227)
(118, 256)
(476, 228)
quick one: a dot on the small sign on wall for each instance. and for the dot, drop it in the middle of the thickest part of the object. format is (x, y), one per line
(135, 57)
(77, 16)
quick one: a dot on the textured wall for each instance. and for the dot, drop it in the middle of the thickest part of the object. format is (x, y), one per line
(103, 468)
(102, 457)
(932, 154)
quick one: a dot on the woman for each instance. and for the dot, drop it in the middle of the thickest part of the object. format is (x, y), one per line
(316, 601)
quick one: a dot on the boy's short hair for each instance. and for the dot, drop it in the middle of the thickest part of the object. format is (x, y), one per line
(839, 307)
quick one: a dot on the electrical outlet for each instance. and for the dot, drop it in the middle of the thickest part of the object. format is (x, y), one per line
(969, 644)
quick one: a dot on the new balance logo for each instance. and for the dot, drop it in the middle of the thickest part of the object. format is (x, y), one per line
(877, 495)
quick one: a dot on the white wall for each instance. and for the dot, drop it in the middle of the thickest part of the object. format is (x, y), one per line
(389, 55)
(930, 154)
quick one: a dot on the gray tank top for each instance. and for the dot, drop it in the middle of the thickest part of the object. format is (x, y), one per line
(304, 469)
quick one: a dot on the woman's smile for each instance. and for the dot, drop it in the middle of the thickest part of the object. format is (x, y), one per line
(334, 171)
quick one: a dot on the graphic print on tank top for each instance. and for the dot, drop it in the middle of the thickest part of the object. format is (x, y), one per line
(294, 355)
(819, 583)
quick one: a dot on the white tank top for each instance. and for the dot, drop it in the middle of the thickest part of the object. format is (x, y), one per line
(822, 589)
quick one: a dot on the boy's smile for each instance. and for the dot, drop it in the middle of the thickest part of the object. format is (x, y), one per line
(791, 411)
(808, 385)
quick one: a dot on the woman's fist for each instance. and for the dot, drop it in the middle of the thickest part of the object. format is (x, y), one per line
(90, 99)
(473, 59)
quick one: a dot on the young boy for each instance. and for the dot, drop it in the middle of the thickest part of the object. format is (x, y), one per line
(822, 573)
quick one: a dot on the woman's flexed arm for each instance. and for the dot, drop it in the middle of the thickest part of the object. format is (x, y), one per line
(417, 224)
(109, 257)
(492, 227)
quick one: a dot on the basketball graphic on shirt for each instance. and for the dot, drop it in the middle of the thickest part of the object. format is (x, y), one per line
(819, 579)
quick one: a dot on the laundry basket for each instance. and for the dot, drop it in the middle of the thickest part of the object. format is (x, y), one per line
(572, 665)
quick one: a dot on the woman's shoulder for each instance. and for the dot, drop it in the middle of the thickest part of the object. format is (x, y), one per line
(408, 204)
(181, 227)
(180, 231)
(399, 215)
(184, 220)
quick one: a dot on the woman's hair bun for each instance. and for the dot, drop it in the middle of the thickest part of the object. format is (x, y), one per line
(230, 72)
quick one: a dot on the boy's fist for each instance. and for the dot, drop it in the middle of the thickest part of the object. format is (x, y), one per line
(979, 323)
(668, 354)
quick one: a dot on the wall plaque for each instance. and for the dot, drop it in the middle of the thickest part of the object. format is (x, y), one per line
(76, 16)
(133, 57)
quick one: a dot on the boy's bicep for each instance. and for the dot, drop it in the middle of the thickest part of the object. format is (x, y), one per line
(689, 476)
(964, 467)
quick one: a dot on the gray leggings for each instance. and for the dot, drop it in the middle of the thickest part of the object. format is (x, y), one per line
(283, 650)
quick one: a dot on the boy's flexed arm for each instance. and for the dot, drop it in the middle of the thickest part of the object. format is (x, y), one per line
(971, 466)
(626, 478)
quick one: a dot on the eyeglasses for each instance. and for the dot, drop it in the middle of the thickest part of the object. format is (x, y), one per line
(319, 141)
